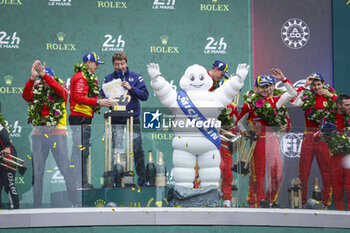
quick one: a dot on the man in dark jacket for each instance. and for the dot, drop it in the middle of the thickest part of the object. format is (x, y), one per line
(135, 86)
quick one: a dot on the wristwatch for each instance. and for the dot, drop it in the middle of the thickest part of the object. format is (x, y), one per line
(98, 102)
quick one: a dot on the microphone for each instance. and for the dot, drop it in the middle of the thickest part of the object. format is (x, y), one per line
(121, 75)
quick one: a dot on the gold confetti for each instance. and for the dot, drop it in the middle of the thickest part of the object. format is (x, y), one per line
(139, 204)
(139, 190)
(49, 170)
(82, 148)
(178, 136)
(285, 213)
(103, 139)
(29, 157)
(130, 204)
(46, 136)
(71, 165)
(54, 145)
(113, 210)
(132, 154)
(147, 211)
(132, 188)
(213, 156)
(186, 144)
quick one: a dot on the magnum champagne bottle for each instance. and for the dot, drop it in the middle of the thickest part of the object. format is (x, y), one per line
(150, 171)
(118, 173)
(161, 172)
(316, 194)
(160, 180)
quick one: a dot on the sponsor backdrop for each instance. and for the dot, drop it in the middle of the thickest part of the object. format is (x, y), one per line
(295, 36)
(173, 33)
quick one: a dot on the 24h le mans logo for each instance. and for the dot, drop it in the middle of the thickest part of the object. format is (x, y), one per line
(295, 33)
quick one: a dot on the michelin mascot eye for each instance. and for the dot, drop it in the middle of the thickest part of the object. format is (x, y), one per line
(196, 142)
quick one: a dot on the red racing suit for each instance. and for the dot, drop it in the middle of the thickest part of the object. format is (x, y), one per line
(226, 158)
(266, 157)
(311, 149)
(78, 100)
(340, 176)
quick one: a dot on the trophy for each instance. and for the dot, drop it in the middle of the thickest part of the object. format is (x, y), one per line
(243, 161)
(13, 163)
(294, 194)
(119, 110)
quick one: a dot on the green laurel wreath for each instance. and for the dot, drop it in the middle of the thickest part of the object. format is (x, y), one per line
(316, 115)
(3, 122)
(45, 94)
(91, 78)
(339, 143)
(273, 117)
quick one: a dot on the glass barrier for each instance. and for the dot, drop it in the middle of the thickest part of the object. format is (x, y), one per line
(129, 166)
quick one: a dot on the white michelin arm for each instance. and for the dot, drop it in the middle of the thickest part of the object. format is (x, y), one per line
(225, 93)
(160, 86)
(298, 101)
(287, 96)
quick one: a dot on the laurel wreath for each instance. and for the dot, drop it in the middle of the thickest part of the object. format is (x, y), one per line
(91, 78)
(273, 117)
(317, 115)
(3, 122)
(339, 142)
(46, 95)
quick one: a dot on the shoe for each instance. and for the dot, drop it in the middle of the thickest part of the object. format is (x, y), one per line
(275, 204)
(227, 203)
(264, 204)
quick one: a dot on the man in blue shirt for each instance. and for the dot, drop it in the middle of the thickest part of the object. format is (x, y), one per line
(136, 87)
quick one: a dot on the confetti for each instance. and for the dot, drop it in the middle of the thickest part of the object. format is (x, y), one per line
(147, 211)
(213, 156)
(71, 165)
(186, 144)
(103, 139)
(54, 145)
(113, 210)
(178, 136)
(139, 190)
(132, 188)
(29, 157)
(49, 170)
(82, 148)
(46, 136)
(132, 154)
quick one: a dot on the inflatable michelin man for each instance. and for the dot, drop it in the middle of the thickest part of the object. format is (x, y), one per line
(197, 104)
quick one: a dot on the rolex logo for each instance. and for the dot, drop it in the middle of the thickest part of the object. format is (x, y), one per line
(8, 79)
(164, 39)
(61, 36)
(100, 203)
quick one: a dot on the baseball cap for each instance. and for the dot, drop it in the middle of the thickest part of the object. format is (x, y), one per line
(91, 56)
(271, 79)
(262, 80)
(318, 76)
(49, 71)
(222, 66)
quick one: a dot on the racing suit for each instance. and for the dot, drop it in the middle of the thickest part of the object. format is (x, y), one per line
(340, 176)
(311, 149)
(7, 176)
(266, 157)
(54, 140)
(80, 120)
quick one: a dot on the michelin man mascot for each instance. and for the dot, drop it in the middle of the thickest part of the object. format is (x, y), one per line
(196, 103)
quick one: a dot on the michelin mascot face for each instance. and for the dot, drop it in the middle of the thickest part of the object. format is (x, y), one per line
(196, 143)
(196, 78)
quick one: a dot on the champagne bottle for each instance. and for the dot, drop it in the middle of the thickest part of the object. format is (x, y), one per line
(316, 194)
(161, 172)
(118, 173)
(150, 171)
